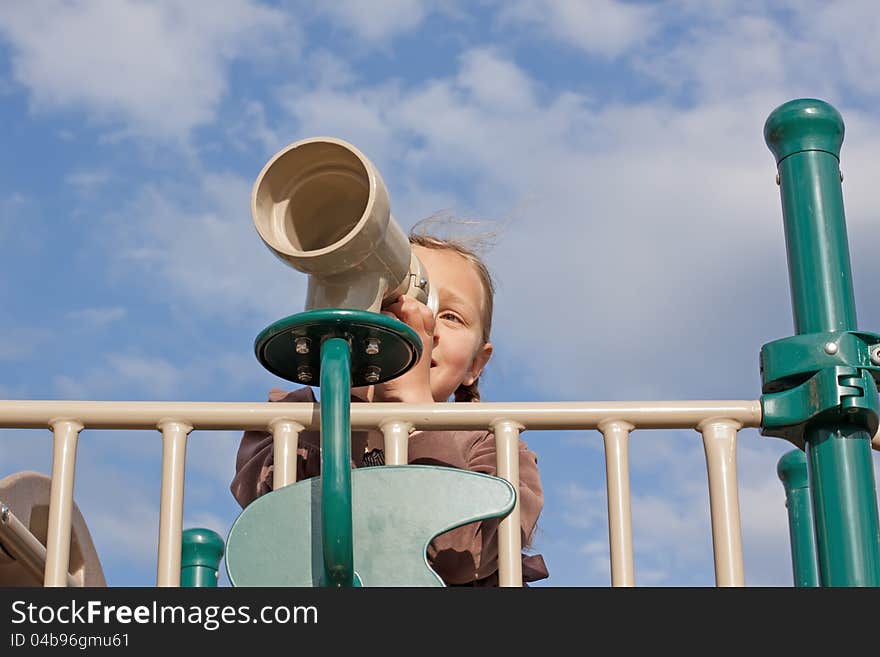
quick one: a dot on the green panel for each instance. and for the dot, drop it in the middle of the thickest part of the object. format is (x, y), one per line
(336, 462)
(276, 541)
(792, 471)
(200, 555)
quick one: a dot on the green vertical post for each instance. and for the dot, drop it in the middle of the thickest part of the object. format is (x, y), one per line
(200, 556)
(792, 471)
(337, 541)
(805, 137)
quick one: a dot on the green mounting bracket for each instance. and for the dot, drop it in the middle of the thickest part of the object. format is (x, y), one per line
(382, 347)
(829, 376)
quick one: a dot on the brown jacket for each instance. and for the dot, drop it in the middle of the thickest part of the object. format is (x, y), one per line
(467, 555)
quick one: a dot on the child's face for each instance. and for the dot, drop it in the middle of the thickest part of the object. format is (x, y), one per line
(459, 354)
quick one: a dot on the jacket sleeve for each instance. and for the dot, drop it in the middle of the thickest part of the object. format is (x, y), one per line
(254, 464)
(470, 552)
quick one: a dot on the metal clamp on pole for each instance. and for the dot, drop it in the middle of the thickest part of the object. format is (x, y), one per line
(826, 376)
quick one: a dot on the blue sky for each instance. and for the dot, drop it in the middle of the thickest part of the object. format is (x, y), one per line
(616, 147)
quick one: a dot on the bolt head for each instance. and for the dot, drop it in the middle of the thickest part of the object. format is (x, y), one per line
(372, 347)
(831, 348)
(875, 355)
(304, 373)
(371, 374)
(302, 345)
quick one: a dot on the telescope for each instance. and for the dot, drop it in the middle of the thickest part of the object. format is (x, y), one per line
(321, 207)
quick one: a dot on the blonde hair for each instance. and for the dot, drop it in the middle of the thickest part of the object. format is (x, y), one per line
(419, 237)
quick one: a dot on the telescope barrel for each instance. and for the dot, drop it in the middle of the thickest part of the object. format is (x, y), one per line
(321, 207)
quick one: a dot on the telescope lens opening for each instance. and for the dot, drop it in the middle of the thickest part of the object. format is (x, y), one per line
(327, 196)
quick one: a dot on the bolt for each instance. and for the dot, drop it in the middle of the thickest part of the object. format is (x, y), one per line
(778, 179)
(852, 410)
(372, 346)
(875, 355)
(302, 345)
(371, 374)
(4, 513)
(831, 348)
(841, 175)
(304, 373)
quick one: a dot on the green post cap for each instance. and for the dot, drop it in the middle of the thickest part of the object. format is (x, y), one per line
(806, 124)
(201, 547)
(792, 470)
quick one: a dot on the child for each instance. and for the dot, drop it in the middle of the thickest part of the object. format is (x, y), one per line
(456, 348)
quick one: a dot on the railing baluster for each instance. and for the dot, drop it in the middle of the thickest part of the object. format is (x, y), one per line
(171, 505)
(285, 441)
(616, 435)
(719, 442)
(65, 433)
(509, 531)
(396, 436)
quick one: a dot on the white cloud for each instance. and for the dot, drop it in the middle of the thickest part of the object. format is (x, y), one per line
(848, 32)
(118, 373)
(159, 67)
(202, 250)
(602, 27)
(495, 84)
(374, 22)
(153, 376)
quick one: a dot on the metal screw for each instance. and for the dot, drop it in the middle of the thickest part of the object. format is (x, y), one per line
(302, 345)
(304, 373)
(875, 355)
(852, 410)
(372, 347)
(831, 348)
(778, 179)
(371, 374)
(841, 175)
(4, 514)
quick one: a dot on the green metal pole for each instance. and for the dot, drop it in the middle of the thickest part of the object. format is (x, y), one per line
(805, 137)
(792, 471)
(337, 539)
(200, 557)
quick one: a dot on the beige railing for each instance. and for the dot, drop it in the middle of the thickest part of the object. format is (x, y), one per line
(717, 421)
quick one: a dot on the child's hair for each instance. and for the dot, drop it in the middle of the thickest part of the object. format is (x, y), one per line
(418, 237)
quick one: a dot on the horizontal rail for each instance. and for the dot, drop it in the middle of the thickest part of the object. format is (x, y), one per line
(450, 416)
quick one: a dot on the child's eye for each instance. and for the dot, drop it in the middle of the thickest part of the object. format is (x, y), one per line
(451, 316)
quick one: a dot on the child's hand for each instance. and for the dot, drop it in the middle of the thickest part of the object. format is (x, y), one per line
(415, 385)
